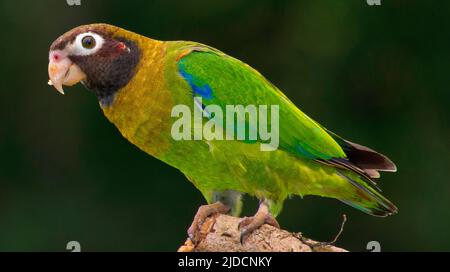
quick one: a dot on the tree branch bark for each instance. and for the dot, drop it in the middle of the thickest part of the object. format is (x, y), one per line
(219, 233)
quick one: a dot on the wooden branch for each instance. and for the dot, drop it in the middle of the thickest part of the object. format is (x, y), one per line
(219, 233)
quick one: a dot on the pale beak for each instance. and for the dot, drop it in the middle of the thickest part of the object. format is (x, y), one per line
(62, 71)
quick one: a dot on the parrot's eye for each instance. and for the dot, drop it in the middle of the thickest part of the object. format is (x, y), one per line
(88, 42)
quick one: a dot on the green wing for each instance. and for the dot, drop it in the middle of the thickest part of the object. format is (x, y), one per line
(222, 80)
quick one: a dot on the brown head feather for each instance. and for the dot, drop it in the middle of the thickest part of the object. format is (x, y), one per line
(111, 67)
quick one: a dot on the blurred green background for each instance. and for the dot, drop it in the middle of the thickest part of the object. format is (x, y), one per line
(378, 75)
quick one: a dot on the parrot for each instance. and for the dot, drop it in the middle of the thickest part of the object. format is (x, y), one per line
(139, 80)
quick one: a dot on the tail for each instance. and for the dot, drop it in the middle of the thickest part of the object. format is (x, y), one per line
(367, 160)
(367, 199)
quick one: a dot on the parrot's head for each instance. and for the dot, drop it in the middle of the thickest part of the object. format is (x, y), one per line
(103, 57)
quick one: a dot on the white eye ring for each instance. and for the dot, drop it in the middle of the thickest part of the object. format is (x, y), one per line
(76, 48)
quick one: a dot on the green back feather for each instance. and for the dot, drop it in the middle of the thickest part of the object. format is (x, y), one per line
(204, 69)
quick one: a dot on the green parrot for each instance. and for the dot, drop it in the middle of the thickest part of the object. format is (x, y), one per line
(139, 81)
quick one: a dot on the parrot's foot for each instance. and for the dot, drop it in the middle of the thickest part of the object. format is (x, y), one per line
(250, 224)
(203, 212)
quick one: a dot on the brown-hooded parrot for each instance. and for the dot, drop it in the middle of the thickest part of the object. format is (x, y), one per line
(139, 81)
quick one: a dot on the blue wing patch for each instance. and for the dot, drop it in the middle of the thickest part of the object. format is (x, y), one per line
(198, 88)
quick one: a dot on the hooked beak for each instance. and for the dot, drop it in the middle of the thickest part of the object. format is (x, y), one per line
(62, 71)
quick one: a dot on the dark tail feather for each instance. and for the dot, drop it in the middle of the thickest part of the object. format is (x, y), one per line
(365, 158)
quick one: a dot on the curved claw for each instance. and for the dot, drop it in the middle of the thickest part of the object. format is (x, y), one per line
(203, 212)
(249, 224)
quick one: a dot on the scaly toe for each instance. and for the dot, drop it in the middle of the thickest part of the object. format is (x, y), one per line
(245, 222)
(249, 224)
(202, 213)
(270, 220)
